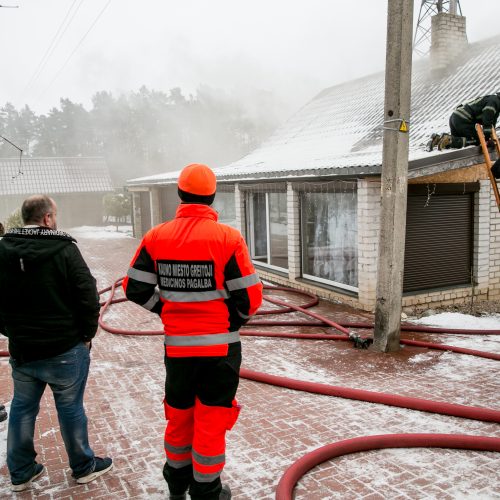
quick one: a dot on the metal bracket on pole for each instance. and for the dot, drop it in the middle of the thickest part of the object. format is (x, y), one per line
(403, 125)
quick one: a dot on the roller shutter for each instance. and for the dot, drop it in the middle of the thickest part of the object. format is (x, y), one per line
(439, 231)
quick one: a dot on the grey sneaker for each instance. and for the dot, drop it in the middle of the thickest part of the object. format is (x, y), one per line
(37, 472)
(433, 142)
(225, 493)
(102, 465)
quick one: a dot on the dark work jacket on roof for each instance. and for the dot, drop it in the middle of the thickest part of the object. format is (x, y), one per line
(483, 110)
(48, 297)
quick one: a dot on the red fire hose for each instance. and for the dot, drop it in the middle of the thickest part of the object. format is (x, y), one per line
(476, 413)
(299, 468)
(365, 443)
(427, 405)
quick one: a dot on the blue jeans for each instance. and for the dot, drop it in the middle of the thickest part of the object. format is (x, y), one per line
(66, 375)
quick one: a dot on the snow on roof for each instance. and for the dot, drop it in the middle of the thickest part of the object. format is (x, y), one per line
(54, 176)
(340, 132)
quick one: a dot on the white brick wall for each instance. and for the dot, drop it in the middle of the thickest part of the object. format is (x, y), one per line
(449, 38)
(293, 209)
(481, 262)
(494, 263)
(368, 240)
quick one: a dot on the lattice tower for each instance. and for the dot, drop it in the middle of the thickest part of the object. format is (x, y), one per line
(429, 8)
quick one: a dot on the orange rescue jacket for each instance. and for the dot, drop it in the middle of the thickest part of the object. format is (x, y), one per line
(197, 274)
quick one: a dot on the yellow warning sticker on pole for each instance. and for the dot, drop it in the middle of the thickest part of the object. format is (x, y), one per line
(403, 127)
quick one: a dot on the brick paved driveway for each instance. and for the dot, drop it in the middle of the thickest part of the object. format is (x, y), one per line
(276, 426)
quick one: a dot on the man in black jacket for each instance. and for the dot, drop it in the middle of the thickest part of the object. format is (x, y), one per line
(483, 110)
(49, 308)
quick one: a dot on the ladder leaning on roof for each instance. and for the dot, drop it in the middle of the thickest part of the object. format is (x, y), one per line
(487, 158)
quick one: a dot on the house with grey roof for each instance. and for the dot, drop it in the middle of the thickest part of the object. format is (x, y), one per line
(308, 199)
(76, 184)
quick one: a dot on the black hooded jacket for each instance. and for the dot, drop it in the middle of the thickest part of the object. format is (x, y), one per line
(483, 110)
(48, 297)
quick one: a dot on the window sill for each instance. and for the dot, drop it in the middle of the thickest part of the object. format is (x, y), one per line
(269, 269)
(427, 291)
(332, 288)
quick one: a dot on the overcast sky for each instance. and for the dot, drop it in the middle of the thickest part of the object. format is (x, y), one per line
(293, 48)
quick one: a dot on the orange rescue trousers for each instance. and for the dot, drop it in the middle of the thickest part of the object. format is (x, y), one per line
(200, 406)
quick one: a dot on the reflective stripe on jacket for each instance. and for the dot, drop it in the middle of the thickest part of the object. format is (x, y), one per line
(483, 110)
(207, 285)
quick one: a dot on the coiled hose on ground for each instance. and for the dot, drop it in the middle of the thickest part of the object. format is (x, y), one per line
(286, 484)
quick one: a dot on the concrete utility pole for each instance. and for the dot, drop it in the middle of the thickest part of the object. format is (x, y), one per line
(394, 175)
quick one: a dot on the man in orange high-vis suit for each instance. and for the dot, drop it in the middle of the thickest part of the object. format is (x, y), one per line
(196, 273)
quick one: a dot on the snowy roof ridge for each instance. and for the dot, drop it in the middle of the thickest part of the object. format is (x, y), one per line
(340, 131)
(54, 175)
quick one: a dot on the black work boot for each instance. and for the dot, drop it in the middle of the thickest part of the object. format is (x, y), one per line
(445, 142)
(433, 142)
(177, 497)
(225, 493)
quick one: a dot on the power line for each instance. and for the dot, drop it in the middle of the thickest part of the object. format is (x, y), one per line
(19, 170)
(53, 44)
(73, 52)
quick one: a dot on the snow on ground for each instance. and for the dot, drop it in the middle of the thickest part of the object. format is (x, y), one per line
(242, 463)
(101, 232)
(460, 321)
(466, 322)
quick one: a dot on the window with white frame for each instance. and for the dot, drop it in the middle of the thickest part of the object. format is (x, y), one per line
(224, 205)
(329, 235)
(267, 228)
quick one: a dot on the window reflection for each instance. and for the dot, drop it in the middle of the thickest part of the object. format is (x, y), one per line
(268, 228)
(329, 229)
(278, 229)
(224, 204)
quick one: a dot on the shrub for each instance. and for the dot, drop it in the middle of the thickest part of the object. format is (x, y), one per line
(14, 220)
(117, 206)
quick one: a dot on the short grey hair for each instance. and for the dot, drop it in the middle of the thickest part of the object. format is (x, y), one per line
(35, 207)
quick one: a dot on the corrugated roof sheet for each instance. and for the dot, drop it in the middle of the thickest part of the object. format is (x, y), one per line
(54, 176)
(340, 131)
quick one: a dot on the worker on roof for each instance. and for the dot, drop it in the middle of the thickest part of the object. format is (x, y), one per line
(483, 110)
(495, 169)
(208, 289)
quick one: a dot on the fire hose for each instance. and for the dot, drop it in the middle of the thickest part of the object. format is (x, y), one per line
(284, 490)
(299, 468)
(287, 483)
(444, 408)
